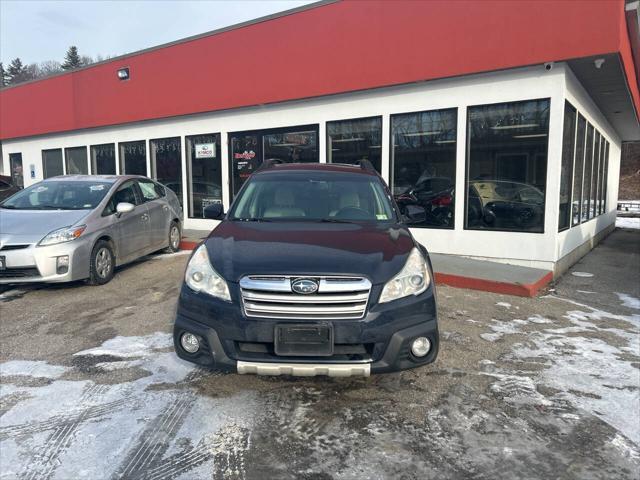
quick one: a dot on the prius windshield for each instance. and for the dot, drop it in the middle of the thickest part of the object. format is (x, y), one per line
(59, 195)
(313, 196)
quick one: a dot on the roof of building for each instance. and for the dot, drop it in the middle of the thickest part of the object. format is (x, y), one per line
(325, 48)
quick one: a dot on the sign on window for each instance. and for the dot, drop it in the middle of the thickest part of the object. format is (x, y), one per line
(205, 150)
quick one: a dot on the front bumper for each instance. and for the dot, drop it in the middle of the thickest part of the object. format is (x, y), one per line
(383, 338)
(38, 264)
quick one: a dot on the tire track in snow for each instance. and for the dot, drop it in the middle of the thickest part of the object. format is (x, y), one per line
(43, 466)
(155, 439)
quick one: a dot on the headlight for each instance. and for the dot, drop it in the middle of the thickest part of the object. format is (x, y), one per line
(413, 279)
(62, 235)
(201, 277)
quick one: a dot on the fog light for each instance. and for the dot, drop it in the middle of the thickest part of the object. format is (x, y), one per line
(190, 342)
(62, 264)
(420, 346)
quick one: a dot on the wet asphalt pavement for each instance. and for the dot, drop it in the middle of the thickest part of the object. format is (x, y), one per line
(523, 388)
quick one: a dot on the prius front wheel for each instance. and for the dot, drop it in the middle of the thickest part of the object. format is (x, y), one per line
(102, 267)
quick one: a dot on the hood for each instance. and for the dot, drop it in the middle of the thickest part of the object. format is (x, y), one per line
(253, 248)
(32, 225)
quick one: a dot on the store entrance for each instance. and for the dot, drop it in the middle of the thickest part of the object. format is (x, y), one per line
(249, 149)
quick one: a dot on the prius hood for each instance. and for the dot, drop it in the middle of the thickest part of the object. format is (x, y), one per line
(239, 248)
(32, 225)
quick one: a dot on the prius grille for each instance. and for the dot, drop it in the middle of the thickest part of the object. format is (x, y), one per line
(337, 298)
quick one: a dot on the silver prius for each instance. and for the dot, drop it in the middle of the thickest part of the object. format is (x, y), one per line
(82, 226)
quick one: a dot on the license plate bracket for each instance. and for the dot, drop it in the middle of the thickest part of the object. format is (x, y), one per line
(304, 340)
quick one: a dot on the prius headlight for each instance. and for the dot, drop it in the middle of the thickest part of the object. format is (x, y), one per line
(62, 235)
(413, 279)
(201, 277)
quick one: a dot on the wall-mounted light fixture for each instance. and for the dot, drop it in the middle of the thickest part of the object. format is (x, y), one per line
(123, 73)
(598, 62)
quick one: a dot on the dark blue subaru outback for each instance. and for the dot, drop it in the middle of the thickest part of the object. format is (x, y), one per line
(313, 271)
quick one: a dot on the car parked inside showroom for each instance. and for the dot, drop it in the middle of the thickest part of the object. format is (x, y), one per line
(312, 272)
(78, 227)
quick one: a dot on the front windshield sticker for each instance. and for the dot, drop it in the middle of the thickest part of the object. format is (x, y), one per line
(382, 216)
(94, 188)
(42, 188)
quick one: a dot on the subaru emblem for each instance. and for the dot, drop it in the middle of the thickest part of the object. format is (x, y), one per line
(304, 286)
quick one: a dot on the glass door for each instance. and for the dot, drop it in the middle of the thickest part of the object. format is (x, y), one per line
(15, 164)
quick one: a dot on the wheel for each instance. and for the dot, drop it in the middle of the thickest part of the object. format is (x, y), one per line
(174, 237)
(102, 263)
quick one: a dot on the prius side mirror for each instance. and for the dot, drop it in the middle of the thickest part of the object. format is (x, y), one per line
(215, 211)
(124, 207)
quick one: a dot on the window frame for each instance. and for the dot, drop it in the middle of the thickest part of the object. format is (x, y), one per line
(187, 151)
(467, 157)
(121, 157)
(571, 171)
(44, 169)
(92, 170)
(66, 159)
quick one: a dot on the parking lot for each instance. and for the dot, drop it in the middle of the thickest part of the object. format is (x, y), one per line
(545, 387)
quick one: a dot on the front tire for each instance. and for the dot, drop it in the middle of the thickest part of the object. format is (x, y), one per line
(102, 264)
(175, 235)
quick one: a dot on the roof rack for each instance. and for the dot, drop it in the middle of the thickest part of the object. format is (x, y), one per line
(366, 165)
(270, 163)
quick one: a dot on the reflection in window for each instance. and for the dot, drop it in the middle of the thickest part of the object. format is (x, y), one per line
(588, 165)
(578, 171)
(568, 144)
(423, 163)
(52, 163)
(204, 175)
(133, 158)
(166, 163)
(349, 141)
(250, 149)
(103, 159)
(507, 166)
(76, 160)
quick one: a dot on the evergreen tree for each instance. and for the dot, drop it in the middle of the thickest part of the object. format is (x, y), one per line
(15, 72)
(3, 76)
(72, 59)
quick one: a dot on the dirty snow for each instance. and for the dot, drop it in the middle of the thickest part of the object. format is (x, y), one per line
(80, 429)
(628, 222)
(582, 274)
(596, 376)
(503, 304)
(629, 301)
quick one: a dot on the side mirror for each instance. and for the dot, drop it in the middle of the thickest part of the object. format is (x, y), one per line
(124, 207)
(415, 214)
(215, 211)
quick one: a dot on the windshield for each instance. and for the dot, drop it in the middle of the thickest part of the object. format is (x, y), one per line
(313, 196)
(59, 195)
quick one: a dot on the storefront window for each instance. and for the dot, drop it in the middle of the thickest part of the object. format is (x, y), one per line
(249, 149)
(605, 177)
(133, 158)
(594, 176)
(103, 159)
(507, 166)
(204, 175)
(578, 171)
(568, 148)
(423, 163)
(52, 163)
(166, 163)
(601, 176)
(588, 166)
(349, 141)
(76, 160)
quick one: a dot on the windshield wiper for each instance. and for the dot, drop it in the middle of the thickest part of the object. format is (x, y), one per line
(334, 220)
(12, 207)
(251, 219)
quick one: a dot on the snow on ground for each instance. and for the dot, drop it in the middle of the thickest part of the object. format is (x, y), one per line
(628, 222)
(596, 376)
(81, 429)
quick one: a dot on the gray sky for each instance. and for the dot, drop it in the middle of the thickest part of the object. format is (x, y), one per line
(43, 30)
